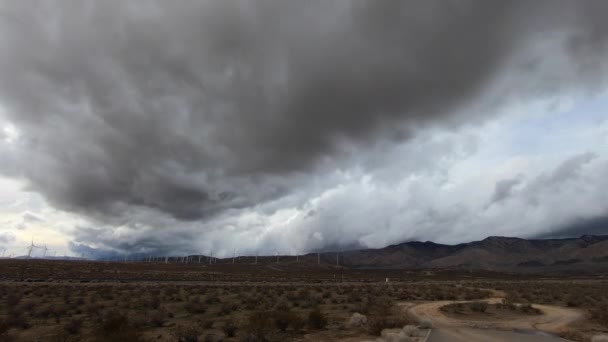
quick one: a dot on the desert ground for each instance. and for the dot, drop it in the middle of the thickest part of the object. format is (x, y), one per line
(53, 300)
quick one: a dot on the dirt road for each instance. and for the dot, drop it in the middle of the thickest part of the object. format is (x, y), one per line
(553, 320)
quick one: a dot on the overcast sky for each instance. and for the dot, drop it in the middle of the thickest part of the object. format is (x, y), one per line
(164, 127)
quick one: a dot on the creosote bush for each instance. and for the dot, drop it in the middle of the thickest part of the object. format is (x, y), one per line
(229, 328)
(259, 325)
(316, 319)
(188, 333)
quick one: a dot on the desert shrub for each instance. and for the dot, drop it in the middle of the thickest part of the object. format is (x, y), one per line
(529, 309)
(153, 302)
(212, 338)
(282, 306)
(73, 326)
(377, 323)
(316, 319)
(194, 306)
(507, 305)
(281, 320)
(212, 299)
(259, 325)
(303, 294)
(13, 299)
(296, 322)
(112, 322)
(390, 319)
(226, 309)
(574, 300)
(229, 328)
(4, 327)
(114, 326)
(478, 306)
(157, 318)
(16, 319)
(188, 333)
(599, 313)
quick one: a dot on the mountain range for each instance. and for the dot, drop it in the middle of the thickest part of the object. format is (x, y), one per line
(589, 252)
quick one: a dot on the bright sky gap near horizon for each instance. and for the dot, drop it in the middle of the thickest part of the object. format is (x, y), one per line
(286, 126)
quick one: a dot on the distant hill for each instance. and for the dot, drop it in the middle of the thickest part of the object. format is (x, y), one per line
(493, 253)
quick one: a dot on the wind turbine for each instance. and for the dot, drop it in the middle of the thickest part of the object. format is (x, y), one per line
(30, 248)
(46, 249)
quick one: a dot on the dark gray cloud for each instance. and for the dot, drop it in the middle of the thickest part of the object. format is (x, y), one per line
(503, 190)
(583, 226)
(195, 108)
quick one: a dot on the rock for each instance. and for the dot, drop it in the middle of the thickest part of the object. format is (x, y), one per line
(411, 331)
(357, 320)
(425, 324)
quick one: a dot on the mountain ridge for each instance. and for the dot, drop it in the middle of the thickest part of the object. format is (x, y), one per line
(491, 253)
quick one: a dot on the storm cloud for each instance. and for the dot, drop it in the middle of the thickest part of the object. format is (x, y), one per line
(156, 114)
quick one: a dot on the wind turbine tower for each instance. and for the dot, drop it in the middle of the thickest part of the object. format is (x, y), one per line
(30, 249)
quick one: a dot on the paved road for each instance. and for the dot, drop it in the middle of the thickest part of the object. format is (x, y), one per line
(486, 335)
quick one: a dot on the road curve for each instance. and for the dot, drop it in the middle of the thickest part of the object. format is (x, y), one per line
(553, 320)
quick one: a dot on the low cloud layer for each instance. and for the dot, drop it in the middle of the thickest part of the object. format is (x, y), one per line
(161, 123)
